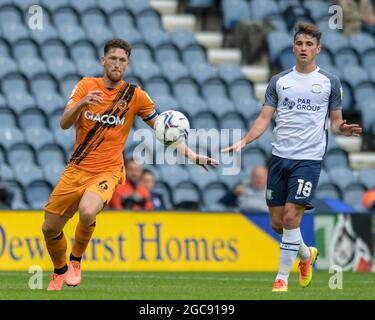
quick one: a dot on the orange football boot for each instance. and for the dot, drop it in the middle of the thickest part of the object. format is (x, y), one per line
(280, 286)
(57, 282)
(73, 276)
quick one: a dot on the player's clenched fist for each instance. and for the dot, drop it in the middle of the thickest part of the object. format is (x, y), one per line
(93, 97)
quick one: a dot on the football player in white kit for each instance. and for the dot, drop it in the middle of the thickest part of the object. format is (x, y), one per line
(302, 98)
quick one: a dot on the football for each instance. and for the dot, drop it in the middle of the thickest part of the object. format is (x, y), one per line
(171, 127)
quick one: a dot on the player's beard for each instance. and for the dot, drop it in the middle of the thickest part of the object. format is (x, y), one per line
(115, 76)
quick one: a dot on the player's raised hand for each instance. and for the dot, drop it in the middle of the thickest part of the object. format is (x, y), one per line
(237, 147)
(349, 130)
(205, 162)
(93, 97)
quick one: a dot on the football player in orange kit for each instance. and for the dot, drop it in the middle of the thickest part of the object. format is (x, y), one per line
(103, 110)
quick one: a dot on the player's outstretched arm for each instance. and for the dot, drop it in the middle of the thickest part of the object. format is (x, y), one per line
(72, 111)
(199, 159)
(339, 126)
(260, 125)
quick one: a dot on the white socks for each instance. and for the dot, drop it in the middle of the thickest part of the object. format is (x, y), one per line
(289, 248)
(304, 252)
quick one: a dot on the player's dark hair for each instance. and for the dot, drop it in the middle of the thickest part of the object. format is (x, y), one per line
(309, 29)
(117, 43)
(148, 171)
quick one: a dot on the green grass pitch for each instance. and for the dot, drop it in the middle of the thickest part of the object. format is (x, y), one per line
(188, 286)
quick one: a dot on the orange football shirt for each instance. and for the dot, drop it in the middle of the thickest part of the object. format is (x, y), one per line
(102, 130)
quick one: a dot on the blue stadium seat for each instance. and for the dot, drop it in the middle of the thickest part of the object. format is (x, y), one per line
(10, 13)
(365, 92)
(71, 33)
(15, 88)
(54, 119)
(32, 117)
(361, 42)
(328, 191)
(110, 7)
(317, 8)
(354, 75)
(233, 179)
(173, 174)
(220, 105)
(201, 72)
(38, 136)
(89, 68)
(31, 66)
(165, 102)
(287, 59)
(99, 35)
(348, 95)
(137, 6)
(213, 192)
(205, 120)
(53, 49)
(25, 48)
(67, 85)
(324, 178)
(368, 116)
(230, 72)
(158, 86)
(49, 32)
(324, 58)
(336, 158)
(146, 70)
(50, 154)
(166, 52)
(332, 143)
(131, 35)
(182, 38)
(198, 5)
(193, 54)
(4, 48)
(6, 172)
(65, 138)
(284, 4)
(121, 19)
(368, 58)
(82, 6)
(371, 73)
(83, 50)
(60, 67)
(241, 89)
(10, 136)
(367, 177)
(233, 120)
(186, 192)
(260, 9)
(277, 42)
(149, 20)
(49, 101)
(353, 195)
(21, 153)
(346, 57)
(135, 80)
(65, 16)
(234, 11)
(37, 193)
(185, 87)
(7, 65)
(174, 70)
(192, 105)
(264, 142)
(54, 5)
(141, 52)
(25, 173)
(342, 177)
(163, 189)
(8, 118)
(155, 37)
(334, 42)
(200, 177)
(3, 156)
(214, 87)
(278, 23)
(13, 31)
(252, 157)
(18, 193)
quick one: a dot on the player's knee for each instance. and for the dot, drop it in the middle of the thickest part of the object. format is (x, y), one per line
(277, 227)
(290, 219)
(50, 230)
(87, 215)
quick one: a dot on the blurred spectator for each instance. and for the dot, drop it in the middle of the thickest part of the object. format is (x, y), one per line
(369, 199)
(250, 196)
(148, 180)
(358, 16)
(6, 197)
(132, 195)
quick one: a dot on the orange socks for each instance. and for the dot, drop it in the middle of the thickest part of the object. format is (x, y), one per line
(57, 250)
(82, 237)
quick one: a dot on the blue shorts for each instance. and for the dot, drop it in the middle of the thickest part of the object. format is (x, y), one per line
(292, 181)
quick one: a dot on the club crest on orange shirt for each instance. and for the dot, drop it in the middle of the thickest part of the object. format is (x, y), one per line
(103, 186)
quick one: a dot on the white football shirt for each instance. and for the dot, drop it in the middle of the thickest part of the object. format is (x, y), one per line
(303, 102)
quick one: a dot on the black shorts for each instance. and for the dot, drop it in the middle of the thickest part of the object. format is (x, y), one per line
(292, 181)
